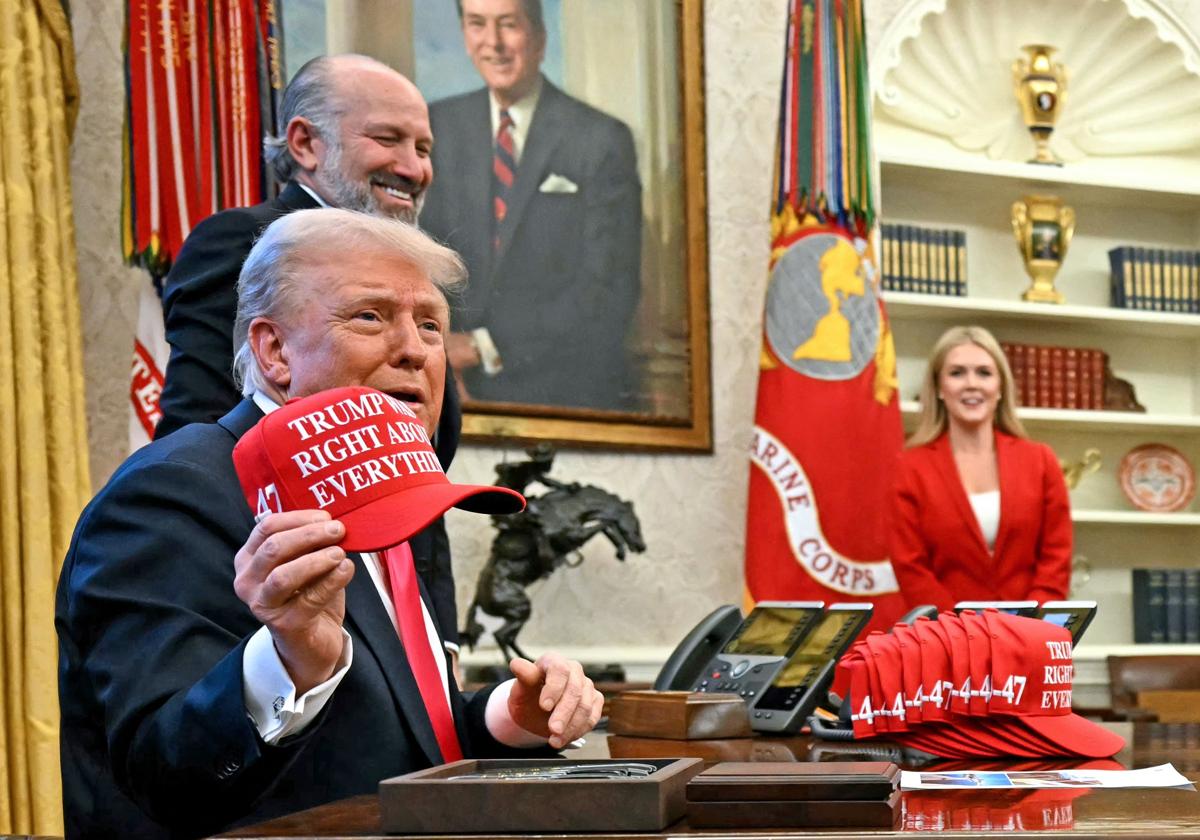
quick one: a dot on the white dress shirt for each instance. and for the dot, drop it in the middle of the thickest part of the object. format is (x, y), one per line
(987, 512)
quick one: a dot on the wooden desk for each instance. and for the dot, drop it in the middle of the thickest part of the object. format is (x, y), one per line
(1080, 813)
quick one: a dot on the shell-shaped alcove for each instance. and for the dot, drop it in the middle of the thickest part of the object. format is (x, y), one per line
(944, 68)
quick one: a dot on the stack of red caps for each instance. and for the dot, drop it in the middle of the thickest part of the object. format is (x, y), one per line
(971, 685)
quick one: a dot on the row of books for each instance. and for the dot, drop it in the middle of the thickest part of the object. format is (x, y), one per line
(1155, 279)
(1057, 377)
(924, 260)
(1166, 606)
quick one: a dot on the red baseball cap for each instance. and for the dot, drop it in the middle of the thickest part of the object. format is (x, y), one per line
(910, 671)
(948, 739)
(862, 713)
(1032, 675)
(886, 664)
(960, 667)
(364, 457)
(935, 671)
(1004, 737)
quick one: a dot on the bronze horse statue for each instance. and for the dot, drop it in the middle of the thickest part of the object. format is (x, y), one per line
(545, 536)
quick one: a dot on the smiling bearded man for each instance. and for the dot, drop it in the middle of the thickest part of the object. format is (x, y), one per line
(356, 135)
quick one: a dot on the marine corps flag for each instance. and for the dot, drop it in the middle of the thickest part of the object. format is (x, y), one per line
(827, 422)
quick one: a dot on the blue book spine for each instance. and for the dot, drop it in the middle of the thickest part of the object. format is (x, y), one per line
(1174, 602)
(1191, 605)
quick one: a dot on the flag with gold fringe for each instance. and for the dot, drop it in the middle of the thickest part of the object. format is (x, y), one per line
(827, 421)
(202, 82)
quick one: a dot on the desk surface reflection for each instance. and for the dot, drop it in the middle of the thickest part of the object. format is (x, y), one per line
(1081, 813)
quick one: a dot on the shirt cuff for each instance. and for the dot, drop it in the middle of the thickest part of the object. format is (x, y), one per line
(500, 723)
(452, 647)
(489, 356)
(270, 694)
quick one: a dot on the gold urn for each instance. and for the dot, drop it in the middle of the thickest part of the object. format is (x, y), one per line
(1040, 84)
(1043, 227)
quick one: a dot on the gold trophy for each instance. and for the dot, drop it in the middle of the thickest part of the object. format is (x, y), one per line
(1041, 88)
(1043, 226)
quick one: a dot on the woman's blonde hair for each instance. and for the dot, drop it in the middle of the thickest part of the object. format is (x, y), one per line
(933, 420)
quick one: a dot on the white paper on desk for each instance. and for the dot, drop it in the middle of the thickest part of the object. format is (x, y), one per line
(1164, 775)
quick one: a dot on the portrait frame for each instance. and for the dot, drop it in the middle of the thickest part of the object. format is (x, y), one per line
(508, 422)
(654, 91)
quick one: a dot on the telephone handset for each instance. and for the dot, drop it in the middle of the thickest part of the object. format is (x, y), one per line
(687, 662)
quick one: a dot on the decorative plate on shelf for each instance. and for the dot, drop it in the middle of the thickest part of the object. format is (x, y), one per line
(1157, 477)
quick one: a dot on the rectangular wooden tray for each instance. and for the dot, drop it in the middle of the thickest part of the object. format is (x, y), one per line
(433, 802)
(776, 781)
(883, 813)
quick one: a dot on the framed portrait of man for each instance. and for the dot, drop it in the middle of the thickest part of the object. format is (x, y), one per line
(568, 166)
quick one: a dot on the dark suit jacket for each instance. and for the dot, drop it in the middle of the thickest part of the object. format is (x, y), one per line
(155, 739)
(938, 549)
(199, 305)
(559, 295)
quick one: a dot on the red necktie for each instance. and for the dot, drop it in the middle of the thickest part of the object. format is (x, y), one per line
(504, 167)
(406, 597)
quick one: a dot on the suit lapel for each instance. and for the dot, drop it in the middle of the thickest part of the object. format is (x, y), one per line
(1005, 469)
(476, 181)
(545, 133)
(241, 418)
(952, 483)
(365, 611)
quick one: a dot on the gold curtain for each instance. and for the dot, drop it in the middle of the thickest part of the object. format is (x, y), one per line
(43, 440)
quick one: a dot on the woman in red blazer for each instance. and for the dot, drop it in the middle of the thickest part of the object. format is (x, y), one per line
(978, 511)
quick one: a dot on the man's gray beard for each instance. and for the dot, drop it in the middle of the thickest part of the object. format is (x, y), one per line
(342, 191)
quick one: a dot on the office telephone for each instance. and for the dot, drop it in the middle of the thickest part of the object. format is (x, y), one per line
(1073, 615)
(801, 684)
(780, 658)
(1028, 609)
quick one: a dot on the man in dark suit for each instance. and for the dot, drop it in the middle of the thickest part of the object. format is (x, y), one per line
(540, 194)
(357, 136)
(215, 671)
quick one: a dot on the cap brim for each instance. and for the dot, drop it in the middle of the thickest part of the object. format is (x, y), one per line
(393, 519)
(1074, 735)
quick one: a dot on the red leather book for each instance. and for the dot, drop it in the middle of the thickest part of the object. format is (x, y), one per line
(1099, 361)
(1017, 365)
(1084, 362)
(1071, 378)
(1045, 375)
(1058, 377)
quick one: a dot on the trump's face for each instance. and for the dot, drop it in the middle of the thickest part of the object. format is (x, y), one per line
(504, 46)
(366, 317)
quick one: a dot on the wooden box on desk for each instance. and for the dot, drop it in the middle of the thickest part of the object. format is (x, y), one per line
(679, 715)
(440, 801)
(790, 794)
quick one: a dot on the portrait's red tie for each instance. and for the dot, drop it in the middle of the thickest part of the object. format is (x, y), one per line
(504, 170)
(406, 597)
